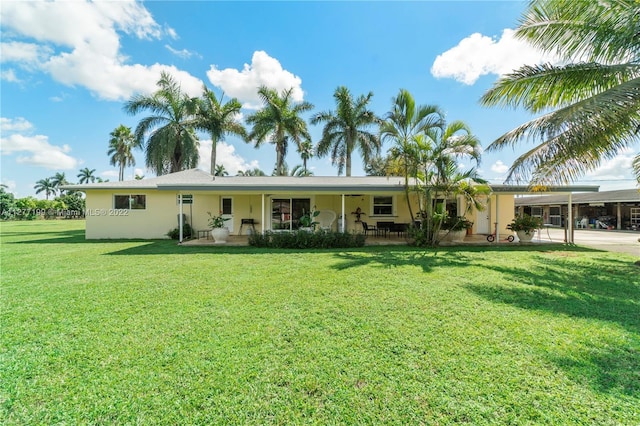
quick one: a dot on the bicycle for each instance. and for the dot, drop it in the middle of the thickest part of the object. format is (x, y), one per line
(492, 237)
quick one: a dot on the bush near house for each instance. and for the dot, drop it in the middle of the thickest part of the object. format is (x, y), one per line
(306, 240)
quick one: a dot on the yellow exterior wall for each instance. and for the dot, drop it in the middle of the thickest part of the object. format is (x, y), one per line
(506, 211)
(161, 213)
(104, 222)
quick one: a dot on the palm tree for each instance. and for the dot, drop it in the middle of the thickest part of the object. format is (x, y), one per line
(58, 180)
(277, 121)
(121, 147)
(402, 125)
(436, 155)
(220, 171)
(172, 144)
(86, 175)
(594, 103)
(251, 172)
(306, 152)
(347, 129)
(218, 119)
(300, 171)
(45, 185)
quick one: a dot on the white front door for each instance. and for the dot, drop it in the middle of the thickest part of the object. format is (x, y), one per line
(483, 219)
(227, 212)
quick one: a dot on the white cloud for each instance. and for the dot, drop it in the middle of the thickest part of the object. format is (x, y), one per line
(263, 71)
(9, 75)
(39, 152)
(87, 38)
(479, 55)
(616, 168)
(225, 155)
(26, 53)
(499, 167)
(19, 124)
(110, 174)
(184, 53)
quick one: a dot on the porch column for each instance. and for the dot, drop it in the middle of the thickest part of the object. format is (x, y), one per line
(262, 214)
(180, 217)
(344, 218)
(570, 219)
(497, 240)
(619, 216)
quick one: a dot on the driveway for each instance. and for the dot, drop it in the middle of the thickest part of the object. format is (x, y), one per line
(615, 241)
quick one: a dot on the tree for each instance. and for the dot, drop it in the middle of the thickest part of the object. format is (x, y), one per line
(438, 152)
(121, 147)
(58, 180)
(594, 103)
(220, 171)
(347, 129)
(7, 203)
(300, 171)
(172, 144)
(218, 119)
(46, 186)
(402, 125)
(306, 152)
(86, 175)
(277, 121)
(251, 172)
(377, 166)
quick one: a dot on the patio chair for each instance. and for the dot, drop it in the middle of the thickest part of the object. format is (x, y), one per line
(325, 219)
(368, 229)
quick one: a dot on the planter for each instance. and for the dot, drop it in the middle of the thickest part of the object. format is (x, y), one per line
(306, 228)
(457, 236)
(220, 235)
(525, 237)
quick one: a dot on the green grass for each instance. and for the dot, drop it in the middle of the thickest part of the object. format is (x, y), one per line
(147, 332)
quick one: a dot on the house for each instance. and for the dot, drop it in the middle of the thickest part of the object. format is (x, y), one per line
(149, 208)
(618, 209)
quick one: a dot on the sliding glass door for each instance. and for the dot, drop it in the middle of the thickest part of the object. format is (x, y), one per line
(286, 212)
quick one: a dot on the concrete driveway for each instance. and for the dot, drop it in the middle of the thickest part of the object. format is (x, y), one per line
(615, 241)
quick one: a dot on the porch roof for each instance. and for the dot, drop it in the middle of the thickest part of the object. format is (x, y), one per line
(618, 196)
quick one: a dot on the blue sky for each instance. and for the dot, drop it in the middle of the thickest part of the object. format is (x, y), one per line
(67, 68)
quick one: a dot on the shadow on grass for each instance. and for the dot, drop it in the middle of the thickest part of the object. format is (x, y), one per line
(607, 290)
(427, 259)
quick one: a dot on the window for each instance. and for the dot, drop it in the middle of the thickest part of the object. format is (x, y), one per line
(555, 216)
(383, 206)
(130, 202)
(186, 199)
(227, 206)
(536, 211)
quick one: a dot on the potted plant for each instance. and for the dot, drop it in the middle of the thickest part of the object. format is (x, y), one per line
(219, 232)
(456, 228)
(525, 226)
(306, 221)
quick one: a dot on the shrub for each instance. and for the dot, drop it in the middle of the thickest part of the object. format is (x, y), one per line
(187, 232)
(306, 240)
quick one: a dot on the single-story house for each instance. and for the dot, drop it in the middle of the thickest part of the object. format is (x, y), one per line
(149, 208)
(618, 209)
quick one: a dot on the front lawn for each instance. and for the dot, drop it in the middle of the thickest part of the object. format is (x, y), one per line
(148, 332)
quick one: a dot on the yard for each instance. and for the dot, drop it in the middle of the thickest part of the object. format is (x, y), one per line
(147, 332)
